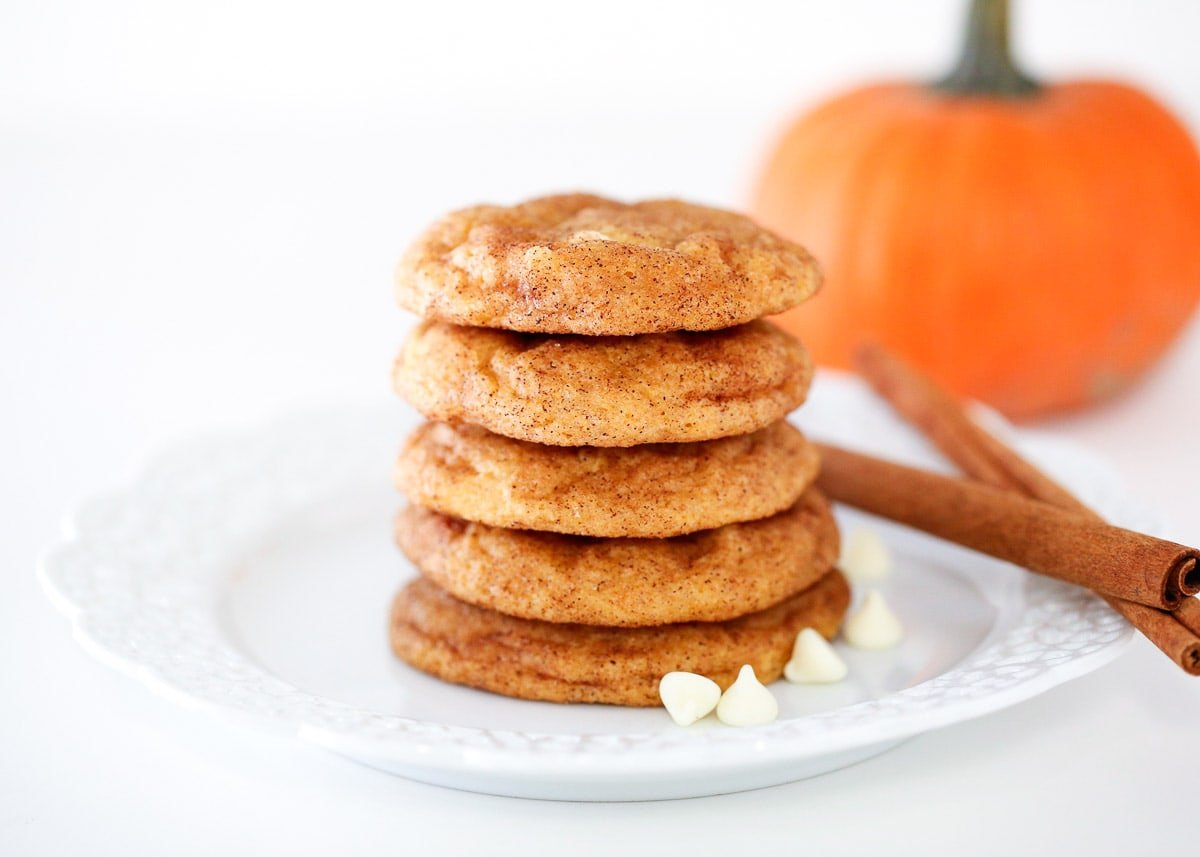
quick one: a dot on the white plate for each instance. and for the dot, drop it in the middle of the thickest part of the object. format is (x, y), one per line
(252, 574)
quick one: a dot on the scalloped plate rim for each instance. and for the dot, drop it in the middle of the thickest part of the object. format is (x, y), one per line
(765, 744)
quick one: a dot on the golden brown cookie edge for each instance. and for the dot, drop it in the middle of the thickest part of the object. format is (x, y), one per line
(532, 660)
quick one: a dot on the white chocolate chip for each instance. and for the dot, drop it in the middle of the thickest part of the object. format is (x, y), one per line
(814, 661)
(865, 556)
(747, 702)
(687, 696)
(873, 625)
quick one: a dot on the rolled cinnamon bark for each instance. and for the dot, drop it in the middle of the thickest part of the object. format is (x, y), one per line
(1189, 578)
(1043, 538)
(981, 455)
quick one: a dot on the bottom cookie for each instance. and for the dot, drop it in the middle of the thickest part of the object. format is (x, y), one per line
(525, 658)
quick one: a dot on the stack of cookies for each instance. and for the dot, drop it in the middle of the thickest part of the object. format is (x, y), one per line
(608, 490)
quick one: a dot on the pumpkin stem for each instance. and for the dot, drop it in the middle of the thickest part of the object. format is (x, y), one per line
(986, 66)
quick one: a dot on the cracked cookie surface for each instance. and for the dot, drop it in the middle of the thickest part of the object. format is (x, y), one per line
(650, 491)
(577, 263)
(708, 576)
(605, 391)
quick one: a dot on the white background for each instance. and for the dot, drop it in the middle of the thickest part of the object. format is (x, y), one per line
(199, 208)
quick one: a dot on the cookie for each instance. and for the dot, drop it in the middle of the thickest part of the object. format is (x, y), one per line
(707, 576)
(652, 491)
(605, 391)
(458, 642)
(584, 264)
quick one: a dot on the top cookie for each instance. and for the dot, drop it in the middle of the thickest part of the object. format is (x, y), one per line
(577, 263)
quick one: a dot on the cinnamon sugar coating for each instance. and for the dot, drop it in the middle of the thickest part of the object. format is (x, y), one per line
(605, 391)
(651, 491)
(460, 643)
(577, 263)
(707, 576)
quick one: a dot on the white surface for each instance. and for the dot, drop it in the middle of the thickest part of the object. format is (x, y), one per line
(199, 208)
(250, 574)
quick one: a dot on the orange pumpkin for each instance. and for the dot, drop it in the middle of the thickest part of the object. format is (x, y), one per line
(1033, 246)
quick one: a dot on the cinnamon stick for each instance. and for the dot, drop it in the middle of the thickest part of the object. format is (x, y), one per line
(1177, 640)
(940, 417)
(1043, 538)
(977, 452)
(986, 458)
(1188, 615)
